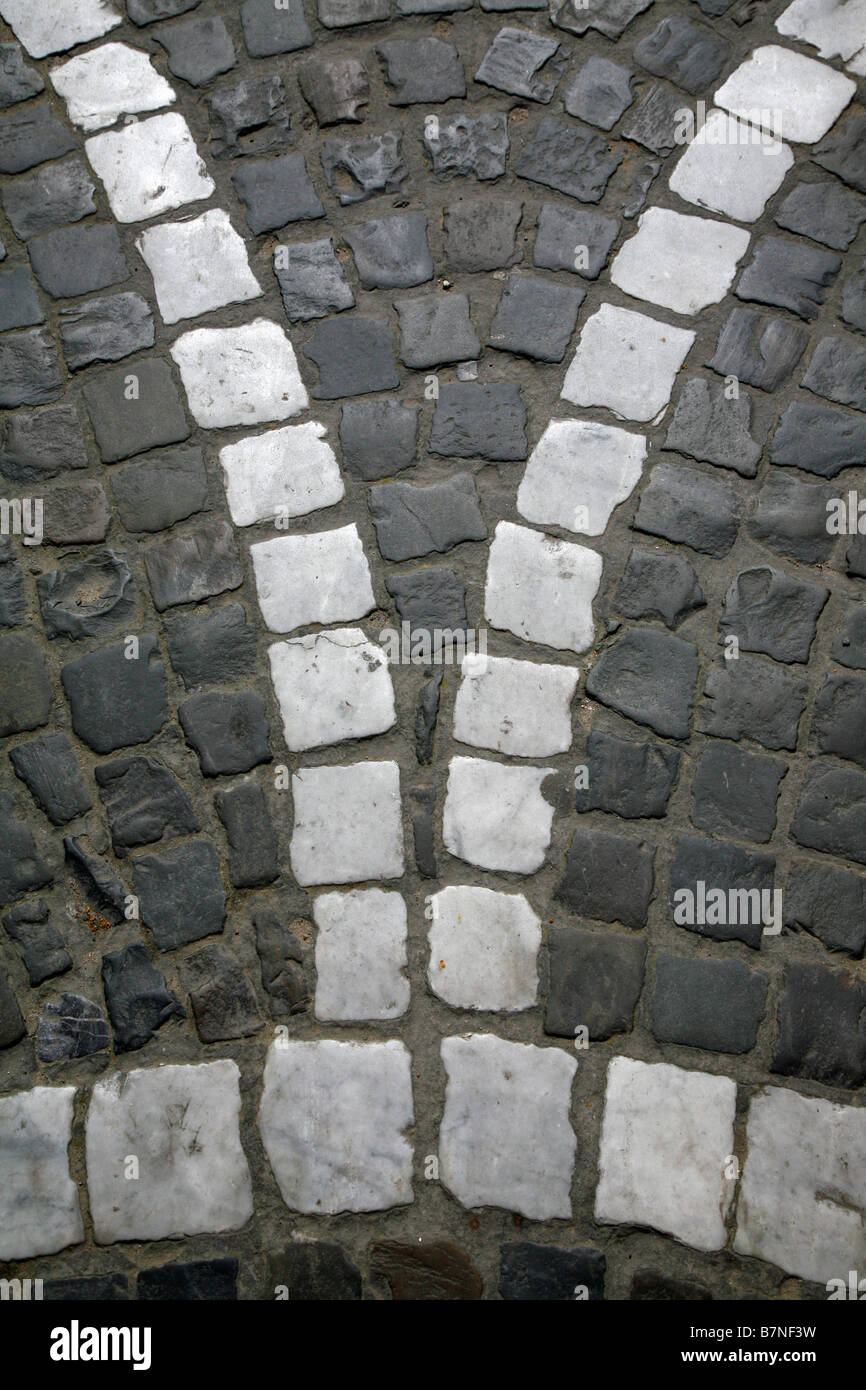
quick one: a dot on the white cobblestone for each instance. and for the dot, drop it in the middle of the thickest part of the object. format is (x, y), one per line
(331, 686)
(197, 265)
(39, 1207)
(107, 82)
(521, 708)
(319, 578)
(51, 28)
(837, 28)
(335, 808)
(541, 588)
(626, 362)
(239, 376)
(483, 949)
(731, 167)
(795, 97)
(280, 474)
(495, 816)
(360, 955)
(578, 473)
(679, 262)
(149, 167)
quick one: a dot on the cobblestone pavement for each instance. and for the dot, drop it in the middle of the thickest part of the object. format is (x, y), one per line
(433, 807)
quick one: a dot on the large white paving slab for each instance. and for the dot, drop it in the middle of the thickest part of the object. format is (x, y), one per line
(495, 815)
(667, 1137)
(626, 362)
(802, 1202)
(107, 82)
(837, 28)
(506, 1139)
(149, 167)
(197, 265)
(318, 578)
(578, 472)
(680, 262)
(333, 1119)
(39, 1208)
(795, 97)
(331, 686)
(180, 1125)
(239, 376)
(483, 949)
(731, 167)
(541, 588)
(360, 955)
(50, 26)
(517, 707)
(348, 826)
(280, 474)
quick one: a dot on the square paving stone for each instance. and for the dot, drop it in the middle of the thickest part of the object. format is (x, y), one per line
(735, 793)
(837, 371)
(69, 22)
(41, 1210)
(752, 699)
(649, 677)
(391, 252)
(358, 169)
(436, 328)
(31, 137)
(198, 564)
(360, 955)
(720, 890)
(690, 55)
(524, 64)
(311, 279)
(213, 647)
(268, 29)
(769, 611)
(791, 519)
(88, 597)
(594, 982)
(228, 730)
(40, 444)
(354, 356)
(277, 191)
(412, 521)
(289, 572)
(319, 1271)
(655, 121)
(47, 766)
(181, 893)
(108, 82)
(105, 330)
(804, 96)
(713, 1004)
(829, 903)
(29, 369)
(154, 493)
(570, 239)
(197, 265)
(580, 461)
(600, 93)
(332, 806)
(25, 696)
(541, 588)
(609, 17)
(535, 318)
(135, 410)
(818, 439)
(479, 233)
(19, 302)
(378, 438)
(757, 349)
(223, 1003)
(149, 167)
(18, 80)
(239, 376)
(542, 1273)
(731, 167)
(628, 778)
(842, 152)
(249, 118)
(198, 50)
(570, 158)
(839, 722)
(430, 600)
(77, 514)
(143, 802)
(100, 1289)
(421, 70)
(627, 362)
(39, 943)
(681, 263)
(608, 877)
(49, 198)
(335, 89)
(78, 260)
(830, 813)
(331, 686)
(709, 426)
(252, 842)
(690, 508)
(116, 701)
(21, 870)
(659, 586)
(826, 212)
(472, 420)
(436, 1269)
(784, 273)
(467, 145)
(280, 474)
(496, 816)
(522, 708)
(822, 1029)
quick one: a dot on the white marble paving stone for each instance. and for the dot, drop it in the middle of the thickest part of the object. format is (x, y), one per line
(506, 1139)
(51, 26)
(483, 949)
(541, 588)
(333, 1119)
(360, 955)
(331, 686)
(802, 1202)
(495, 816)
(666, 1139)
(578, 473)
(107, 82)
(39, 1207)
(731, 167)
(796, 97)
(318, 578)
(348, 825)
(181, 1124)
(680, 262)
(837, 28)
(280, 474)
(522, 708)
(197, 265)
(239, 376)
(627, 362)
(149, 167)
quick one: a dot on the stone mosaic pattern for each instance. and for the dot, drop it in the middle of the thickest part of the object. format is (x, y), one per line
(328, 969)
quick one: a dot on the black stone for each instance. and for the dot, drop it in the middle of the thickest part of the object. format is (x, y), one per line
(714, 1004)
(654, 122)
(40, 944)
(426, 714)
(523, 64)
(829, 903)
(595, 979)
(282, 965)
(198, 50)
(855, 557)
(378, 438)
(143, 802)
(747, 698)
(212, 647)
(822, 1026)
(335, 89)
(116, 700)
(565, 234)
(628, 778)
(181, 893)
(19, 302)
(31, 137)
(787, 274)
(735, 793)
(41, 444)
(77, 513)
(78, 260)
(213, 1280)
(12, 1026)
(136, 997)
(690, 508)
(659, 586)
(70, 1026)
(718, 864)
(13, 595)
(222, 998)
(436, 328)
(105, 330)
(535, 318)
(277, 191)
(268, 30)
(47, 765)
(818, 439)
(18, 80)
(826, 212)
(147, 11)
(199, 564)
(412, 521)
(791, 519)
(647, 1286)
(243, 811)
(425, 1271)
(688, 54)
(97, 880)
(392, 252)
(849, 649)
(769, 611)
(29, 369)
(421, 70)
(608, 877)
(313, 1271)
(228, 730)
(641, 177)
(467, 145)
(843, 151)
(26, 688)
(249, 118)
(357, 169)
(831, 812)
(155, 493)
(650, 677)
(839, 721)
(570, 158)
(429, 600)
(479, 421)
(89, 598)
(101, 1288)
(545, 1273)
(354, 356)
(759, 350)
(854, 300)
(50, 197)
(609, 17)
(311, 279)
(422, 831)
(600, 93)
(125, 423)
(838, 372)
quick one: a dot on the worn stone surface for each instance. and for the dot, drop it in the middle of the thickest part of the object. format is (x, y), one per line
(650, 677)
(594, 982)
(768, 610)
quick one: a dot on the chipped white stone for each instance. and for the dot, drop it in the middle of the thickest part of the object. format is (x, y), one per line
(802, 1203)
(197, 265)
(837, 28)
(578, 472)
(483, 949)
(39, 1207)
(495, 816)
(541, 588)
(110, 81)
(731, 167)
(180, 1123)
(283, 473)
(795, 97)
(506, 1140)
(239, 376)
(149, 167)
(360, 955)
(331, 686)
(319, 578)
(680, 262)
(348, 825)
(666, 1140)
(627, 362)
(50, 26)
(517, 707)
(333, 1119)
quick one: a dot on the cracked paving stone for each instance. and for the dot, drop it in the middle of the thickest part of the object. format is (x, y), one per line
(629, 778)
(679, 262)
(136, 997)
(288, 572)
(839, 720)
(149, 167)
(115, 701)
(29, 369)
(77, 514)
(108, 82)
(70, 1026)
(805, 97)
(521, 708)
(702, 868)
(153, 494)
(725, 168)
(828, 903)
(467, 145)
(627, 362)
(222, 999)
(541, 588)
(335, 90)
(49, 198)
(201, 1279)
(105, 330)
(282, 967)
(360, 955)
(609, 17)
(483, 950)
(826, 212)
(331, 686)
(570, 158)
(658, 586)
(480, 233)
(40, 1212)
(580, 462)
(21, 868)
(198, 50)
(831, 811)
(392, 252)
(757, 349)
(26, 690)
(735, 793)
(769, 611)
(148, 11)
(535, 318)
(608, 877)
(818, 439)
(788, 275)
(435, 329)
(243, 810)
(357, 169)
(594, 982)
(689, 55)
(249, 118)
(31, 137)
(314, 1271)
(19, 302)
(600, 93)
(280, 474)
(12, 1026)
(354, 356)
(228, 730)
(78, 260)
(200, 564)
(18, 80)
(822, 1026)
(842, 152)
(689, 508)
(544, 1273)
(649, 677)
(333, 807)
(471, 420)
(239, 376)
(523, 64)
(853, 308)
(269, 30)
(421, 70)
(412, 521)
(379, 438)
(434, 1270)
(39, 943)
(714, 429)
(791, 519)
(275, 192)
(125, 423)
(716, 1005)
(654, 122)
(311, 279)
(849, 649)
(572, 239)
(837, 372)
(181, 893)
(430, 600)
(48, 767)
(496, 816)
(197, 265)
(143, 802)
